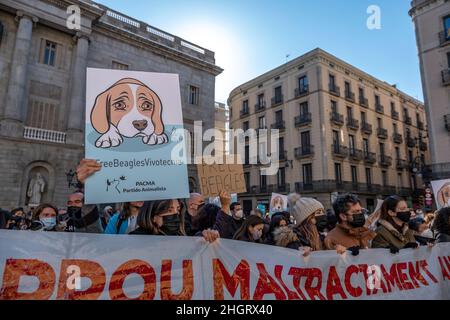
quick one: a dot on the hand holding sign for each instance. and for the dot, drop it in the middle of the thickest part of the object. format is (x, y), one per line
(87, 168)
(225, 200)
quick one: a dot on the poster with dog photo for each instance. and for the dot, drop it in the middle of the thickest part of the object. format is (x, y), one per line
(441, 189)
(131, 123)
(278, 203)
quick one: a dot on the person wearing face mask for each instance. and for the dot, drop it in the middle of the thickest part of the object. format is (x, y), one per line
(230, 217)
(251, 230)
(125, 221)
(45, 218)
(277, 221)
(393, 232)
(195, 202)
(441, 225)
(165, 218)
(304, 235)
(350, 232)
(82, 218)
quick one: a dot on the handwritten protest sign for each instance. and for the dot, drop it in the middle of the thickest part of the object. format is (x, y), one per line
(441, 189)
(214, 178)
(130, 120)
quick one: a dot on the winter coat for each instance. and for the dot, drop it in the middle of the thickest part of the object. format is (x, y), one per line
(388, 236)
(111, 228)
(226, 225)
(348, 237)
(442, 237)
(88, 223)
(287, 237)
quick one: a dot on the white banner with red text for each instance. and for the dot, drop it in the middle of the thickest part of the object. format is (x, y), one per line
(50, 265)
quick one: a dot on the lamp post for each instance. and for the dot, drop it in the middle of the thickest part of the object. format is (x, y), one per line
(70, 176)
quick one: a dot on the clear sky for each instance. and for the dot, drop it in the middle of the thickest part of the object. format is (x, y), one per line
(251, 37)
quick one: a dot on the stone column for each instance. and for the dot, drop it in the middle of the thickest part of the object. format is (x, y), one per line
(76, 114)
(14, 114)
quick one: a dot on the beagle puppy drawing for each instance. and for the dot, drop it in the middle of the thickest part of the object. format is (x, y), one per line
(444, 195)
(277, 204)
(128, 109)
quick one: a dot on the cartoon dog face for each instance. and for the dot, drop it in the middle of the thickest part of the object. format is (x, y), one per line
(444, 195)
(277, 204)
(128, 109)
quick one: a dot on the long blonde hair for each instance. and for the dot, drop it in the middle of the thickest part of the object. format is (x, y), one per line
(308, 230)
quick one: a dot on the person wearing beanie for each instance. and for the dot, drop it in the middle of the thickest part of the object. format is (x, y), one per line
(350, 233)
(303, 235)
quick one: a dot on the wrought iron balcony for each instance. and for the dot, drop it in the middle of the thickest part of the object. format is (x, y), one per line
(355, 154)
(245, 112)
(382, 133)
(385, 161)
(304, 152)
(410, 142)
(397, 137)
(366, 128)
(339, 150)
(379, 108)
(363, 102)
(370, 157)
(260, 106)
(395, 115)
(408, 120)
(334, 90)
(443, 39)
(277, 100)
(352, 123)
(301, 92)
(401, 164)
(303, 120)
(304, 186)
(350, 96)
(337, 118)
(283, 188)
(280, 125)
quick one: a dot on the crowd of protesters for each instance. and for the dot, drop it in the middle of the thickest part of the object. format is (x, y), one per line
(306, 226)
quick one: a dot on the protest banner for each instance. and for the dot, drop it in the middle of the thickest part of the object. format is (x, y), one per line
(130, 119)
(278, 203)
(51, 265)
(214, 178)
(441, 189)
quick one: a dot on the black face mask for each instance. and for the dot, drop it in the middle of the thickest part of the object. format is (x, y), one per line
(404, 216)
(74, 212)
(321, 222)
(358, 220)
(171, 224)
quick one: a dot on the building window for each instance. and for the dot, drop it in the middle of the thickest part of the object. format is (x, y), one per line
(395, 128)
(245, 106)
(263, 180)
(348, 89)
(382, 149)
(335, 138)
(351, 142)
(332, 80)
(380, 125)
(119, 66)
(361, 94)
(247, 180)
(261, 100)
(334, 107)
(262, 122)
(338, 172)
(384, 178)
(307, 173)
(303, 84)
(245, 126)
(448, 59)
(368, 176)
(377, 100)
(447, 27)
(194, 93)
(247, 155)
(279, 116)
(349, 113)
(281, 177)
(363, 117)
(399, 180)
(366, 146)
(418, 119)
(304, 109)
(281, 146)
(354, 174)
(278, 94)
(49, 57)
(397, 152)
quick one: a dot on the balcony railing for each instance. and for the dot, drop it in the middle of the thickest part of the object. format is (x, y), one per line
(277, 100)
(44, 135)
(370, 157)
(420, 125)
(397, 137)
(395, 115)
(363, 102)
(408, 120)
(410, 142)
(382, 133)
(355, 154)
(301, 92)
(350, 96)
(282, 188)
(244, 112)
(260, 106)
(334, 90)
(304, 152)
(379, 108)
(303, 119)
(366, 128)
(423, 146)
(401, 164)
(337, 118)
(443, 40)
(339, 150)
(280, 125)
(385, 161)
(304, 186)
(352, 123)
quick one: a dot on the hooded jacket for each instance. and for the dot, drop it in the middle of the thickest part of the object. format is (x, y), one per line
(388, 236)
(348, 237)
(226, 225)
(287, 237)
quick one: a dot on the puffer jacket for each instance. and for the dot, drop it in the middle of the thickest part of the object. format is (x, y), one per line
(388, 236)
(288, 237)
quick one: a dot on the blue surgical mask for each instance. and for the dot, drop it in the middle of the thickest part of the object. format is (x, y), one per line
(48, 223)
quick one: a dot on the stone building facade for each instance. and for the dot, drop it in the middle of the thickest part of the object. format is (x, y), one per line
(341, 130)
(43, 77)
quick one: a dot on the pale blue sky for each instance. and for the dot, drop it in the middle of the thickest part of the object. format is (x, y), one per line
(251, 37)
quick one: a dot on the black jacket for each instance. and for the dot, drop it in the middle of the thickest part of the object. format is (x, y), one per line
(442, 237)
(190, 230)
(226, 225)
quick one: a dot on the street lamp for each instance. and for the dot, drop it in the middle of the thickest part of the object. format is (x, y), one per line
(69, 176)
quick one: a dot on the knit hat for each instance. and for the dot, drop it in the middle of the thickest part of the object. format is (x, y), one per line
(301, 208)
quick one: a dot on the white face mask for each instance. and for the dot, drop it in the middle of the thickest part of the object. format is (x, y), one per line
(239, 214)
(48, 223)
(256, 235)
